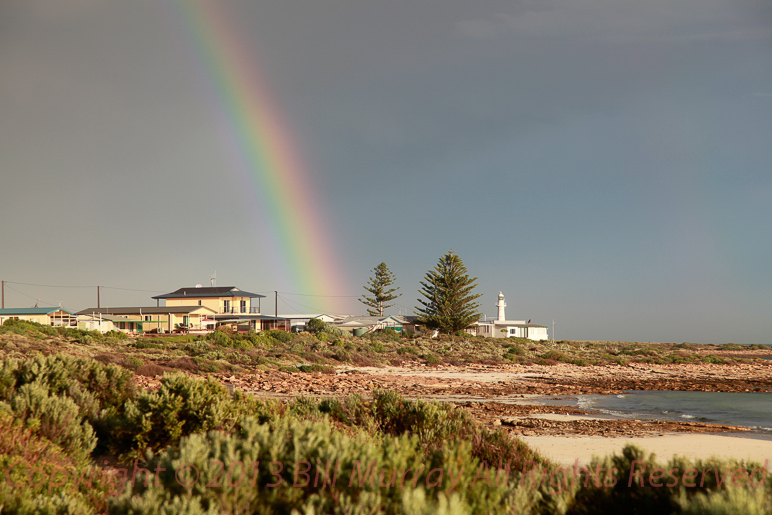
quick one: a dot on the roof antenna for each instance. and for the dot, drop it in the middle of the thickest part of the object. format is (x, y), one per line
(213, 279)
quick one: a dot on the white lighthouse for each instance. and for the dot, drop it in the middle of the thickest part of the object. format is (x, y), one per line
(501, 304)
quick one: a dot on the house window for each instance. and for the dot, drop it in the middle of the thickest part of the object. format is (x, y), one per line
(199, 302)
(243, 306)
(122, 325)
(226, 306)
(148, 318)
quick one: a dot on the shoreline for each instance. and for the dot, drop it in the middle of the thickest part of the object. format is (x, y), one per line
(508, 397)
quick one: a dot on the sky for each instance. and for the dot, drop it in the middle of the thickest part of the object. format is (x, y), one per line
(606, 164)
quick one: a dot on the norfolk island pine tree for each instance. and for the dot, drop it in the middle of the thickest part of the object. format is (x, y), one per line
(379, 287)
(449, 299)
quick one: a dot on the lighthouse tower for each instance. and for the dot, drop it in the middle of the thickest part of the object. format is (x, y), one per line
(501, 304)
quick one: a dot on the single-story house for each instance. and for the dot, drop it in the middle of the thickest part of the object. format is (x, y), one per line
(298, 321)
(162, 319)
(507, 328)
(106, 323)
(375, 323)
(47, 316)
(500, 327)
(247, 322)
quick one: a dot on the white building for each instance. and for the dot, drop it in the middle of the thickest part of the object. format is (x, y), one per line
(503, 328)
(298, 321)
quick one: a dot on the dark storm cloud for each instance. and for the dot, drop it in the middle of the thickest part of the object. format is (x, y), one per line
(605, 163)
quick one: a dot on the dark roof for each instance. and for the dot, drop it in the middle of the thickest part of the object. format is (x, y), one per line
(145, 310)
(209, 291)
(32, 311)
(244, 317)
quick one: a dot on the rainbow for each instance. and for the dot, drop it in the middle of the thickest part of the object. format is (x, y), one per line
(264, 152)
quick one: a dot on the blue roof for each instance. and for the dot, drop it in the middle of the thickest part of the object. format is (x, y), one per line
(32, 311)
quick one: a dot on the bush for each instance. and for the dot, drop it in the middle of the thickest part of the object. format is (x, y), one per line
(56, 418)
(147, 344)
(278, 335)
(118, 335)
(85, 381)
(389, 334)
(356, 466)
(25, 457)
(324, 369)
(315, 326)
(432, 360)
(181, 406)
(637, 495)
(554, 355)
(29, 328)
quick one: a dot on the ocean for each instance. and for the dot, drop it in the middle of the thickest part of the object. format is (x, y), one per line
(752, 410)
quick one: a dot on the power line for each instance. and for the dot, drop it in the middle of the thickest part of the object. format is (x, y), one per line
(325, 296)
(83, 286)
(37, 300)
(308, 309)
(131, 289)
(48, 285)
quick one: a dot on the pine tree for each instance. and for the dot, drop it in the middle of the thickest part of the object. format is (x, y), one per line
(450, 302)
(378, 286)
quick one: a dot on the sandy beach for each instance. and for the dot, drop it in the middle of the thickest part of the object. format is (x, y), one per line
(567, 450)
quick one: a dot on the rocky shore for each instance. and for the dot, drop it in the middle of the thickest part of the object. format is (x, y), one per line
(476, 388)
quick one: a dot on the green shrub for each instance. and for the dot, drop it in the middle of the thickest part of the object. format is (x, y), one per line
(221, 338)
(747, 501)
(554, 355)
(133, 363)
(147, 344)
(407, 350)
(181, 406)
(118, 335)
(315, 326)
(313, 446)
(432, 360)
(109, 385)
(278, 335)
(389, 334)
(325, 369)
(640, 352)
(39, 468)
(56, 418)
(638, 493)
(28, 328)
(514, 349)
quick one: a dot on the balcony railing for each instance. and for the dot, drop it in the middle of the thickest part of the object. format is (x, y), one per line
(242, 311)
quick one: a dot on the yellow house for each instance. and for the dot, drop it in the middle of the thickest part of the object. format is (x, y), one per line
(46, 316)
(220, 299)
(161, 319)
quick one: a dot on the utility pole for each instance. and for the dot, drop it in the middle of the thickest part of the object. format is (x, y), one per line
(553, 331)
(98, 301)
(276, 305)
(3, 294)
